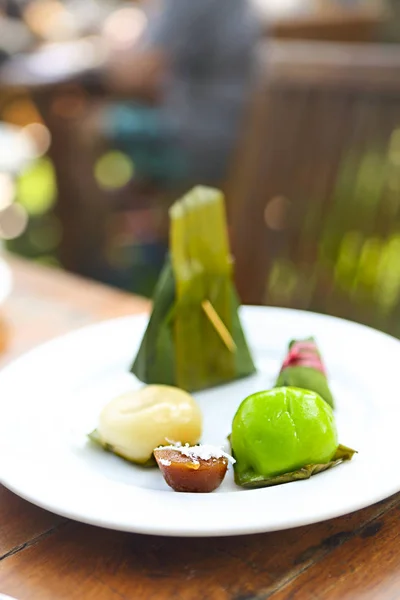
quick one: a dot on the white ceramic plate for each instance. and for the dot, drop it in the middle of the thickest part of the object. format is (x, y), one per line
(51, 397)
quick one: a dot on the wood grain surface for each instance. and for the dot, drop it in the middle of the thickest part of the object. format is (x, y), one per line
(45, 557)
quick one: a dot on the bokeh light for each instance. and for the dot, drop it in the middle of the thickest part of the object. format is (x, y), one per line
(45, 235)
(40, 135)
(276, 213)
(282, 282)
(394, 148)
(124, 26)
(50, 20)
(368, 265)
(348, 258)
(13, 221)
(387, 289)
(36, 187)
(21, 112)
(113, 170)
(280, 8)
(7, 190)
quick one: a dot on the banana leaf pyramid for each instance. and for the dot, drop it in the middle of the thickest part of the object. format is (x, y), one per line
(194, 339)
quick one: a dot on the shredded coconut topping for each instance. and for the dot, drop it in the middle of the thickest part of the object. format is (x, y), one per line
(204, 452)
(165, 462)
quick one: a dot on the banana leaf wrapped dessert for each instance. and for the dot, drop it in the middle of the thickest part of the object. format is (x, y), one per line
(303, 368)
(194, 339)
(284, 435)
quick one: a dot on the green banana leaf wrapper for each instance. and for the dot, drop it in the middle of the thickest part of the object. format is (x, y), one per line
(303, 368)
(181, 347)
(251, 480)
(96, 439)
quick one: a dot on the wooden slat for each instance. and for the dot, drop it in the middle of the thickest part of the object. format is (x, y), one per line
(368, 567)
(334, 66)
(22, 523)
(322, 19)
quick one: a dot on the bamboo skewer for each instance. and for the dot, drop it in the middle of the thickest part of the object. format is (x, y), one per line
(219, 325)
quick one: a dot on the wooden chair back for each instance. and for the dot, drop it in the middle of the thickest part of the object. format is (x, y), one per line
(315, 197)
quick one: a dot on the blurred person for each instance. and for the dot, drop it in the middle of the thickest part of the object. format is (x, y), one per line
(182, 90)
(190, 74)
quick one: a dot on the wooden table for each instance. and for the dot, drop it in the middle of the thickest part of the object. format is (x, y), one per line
(46, 557)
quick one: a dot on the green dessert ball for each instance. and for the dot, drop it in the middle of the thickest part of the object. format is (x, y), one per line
(281, 430)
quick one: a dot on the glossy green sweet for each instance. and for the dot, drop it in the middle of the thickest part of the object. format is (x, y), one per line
(281, 430)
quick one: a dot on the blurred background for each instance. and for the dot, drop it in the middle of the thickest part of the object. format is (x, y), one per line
(110, 110)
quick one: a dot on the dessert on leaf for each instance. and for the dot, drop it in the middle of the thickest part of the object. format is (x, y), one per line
(194, 339)
(284, 435)
(303, 368)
